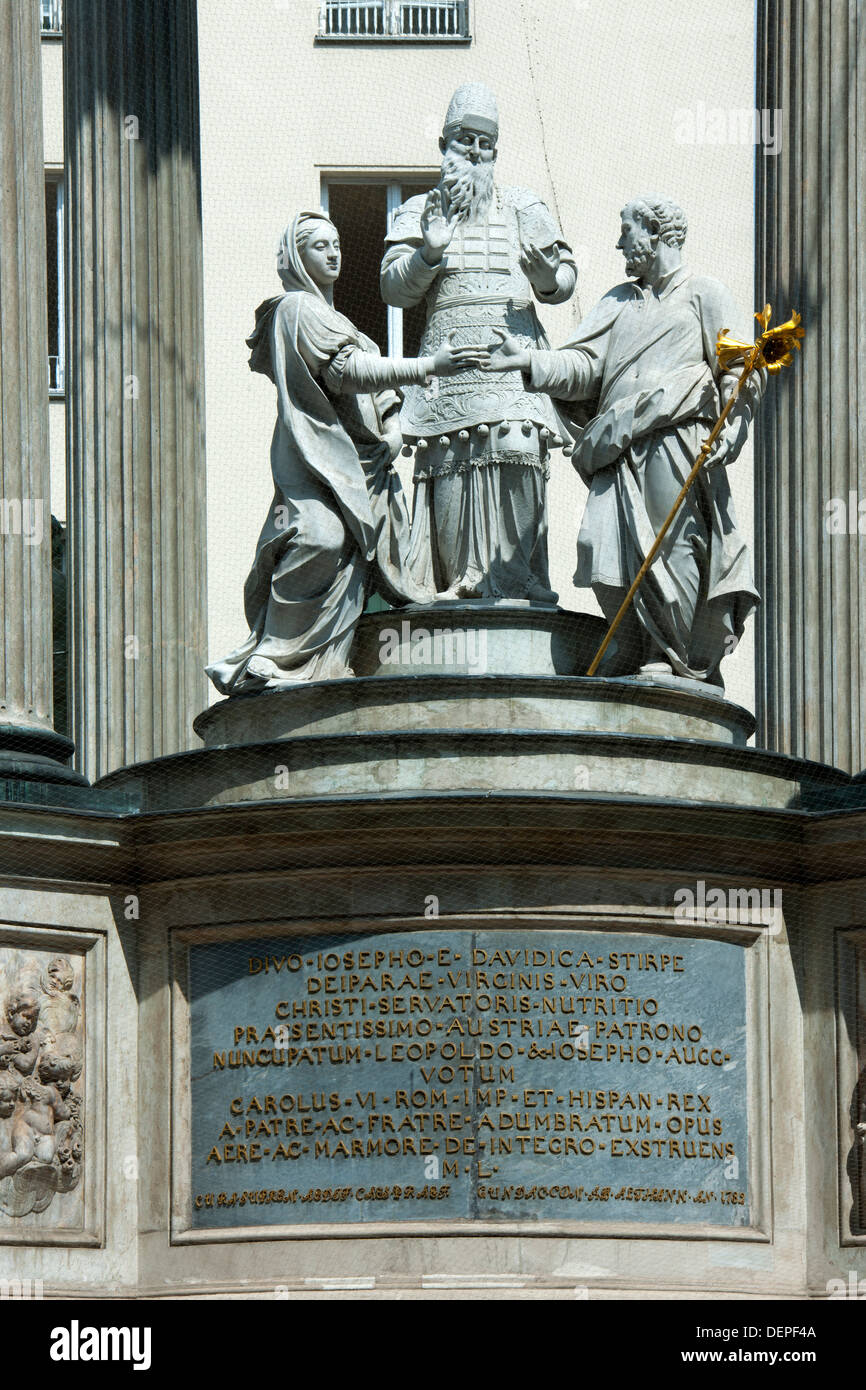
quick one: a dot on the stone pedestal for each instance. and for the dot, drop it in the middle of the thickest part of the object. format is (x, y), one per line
(510, 638)
(135, 395)
(480, 705)
(468, 702)
(579, 922)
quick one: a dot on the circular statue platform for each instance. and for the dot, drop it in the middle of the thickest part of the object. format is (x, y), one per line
(467, 699)
(481, 704)
(509, 668)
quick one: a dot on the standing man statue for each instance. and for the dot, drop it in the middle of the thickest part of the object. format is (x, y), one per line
(477, 253)
(644, 364)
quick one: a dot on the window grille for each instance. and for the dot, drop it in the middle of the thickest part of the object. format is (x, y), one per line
(392, 19)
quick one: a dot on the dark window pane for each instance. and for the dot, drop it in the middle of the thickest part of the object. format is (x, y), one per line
(52, 16)
(414, 319)
(360, 214)
(60, 626)
(51, 243)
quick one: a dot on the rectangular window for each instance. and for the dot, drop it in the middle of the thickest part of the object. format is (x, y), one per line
(446, 21)
(54, 203)
(363, 214)
(52, 16)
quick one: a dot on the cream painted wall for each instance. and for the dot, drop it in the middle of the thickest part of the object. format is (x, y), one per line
(57, 455)
(588, 94)
(52, 100)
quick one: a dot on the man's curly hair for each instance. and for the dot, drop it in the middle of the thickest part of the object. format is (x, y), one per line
(665, 214)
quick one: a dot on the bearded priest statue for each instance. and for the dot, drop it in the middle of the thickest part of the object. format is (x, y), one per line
(478, 253)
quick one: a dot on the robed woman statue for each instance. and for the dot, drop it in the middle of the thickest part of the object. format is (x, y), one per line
(338, 527)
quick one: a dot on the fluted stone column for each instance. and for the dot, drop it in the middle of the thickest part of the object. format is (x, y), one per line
(810, 463)
(135, 394)
(29, 747)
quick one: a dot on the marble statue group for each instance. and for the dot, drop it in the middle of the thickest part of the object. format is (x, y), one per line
(486, 407)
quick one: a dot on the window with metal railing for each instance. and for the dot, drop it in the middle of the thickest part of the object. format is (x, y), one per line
(52, 16)
(446, 21)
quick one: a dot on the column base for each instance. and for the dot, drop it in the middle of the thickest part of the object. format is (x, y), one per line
(29, 754)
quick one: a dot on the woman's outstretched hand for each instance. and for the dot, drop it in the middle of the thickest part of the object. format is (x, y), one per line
(505, 354)
(449, 359)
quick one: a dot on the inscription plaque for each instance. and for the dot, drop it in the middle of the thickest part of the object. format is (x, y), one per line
(578, 1076)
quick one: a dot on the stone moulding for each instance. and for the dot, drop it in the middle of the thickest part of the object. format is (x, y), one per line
(580, 861)
(516, 762)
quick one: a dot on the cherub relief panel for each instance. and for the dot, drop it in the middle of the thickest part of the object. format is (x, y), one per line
(41, 1076)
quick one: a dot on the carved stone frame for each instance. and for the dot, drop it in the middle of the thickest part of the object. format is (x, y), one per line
(89, 947)
(752, 938)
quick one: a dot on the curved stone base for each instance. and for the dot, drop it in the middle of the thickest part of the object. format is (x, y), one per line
(509, 638)
(478, 667)
(475, 704)
(425, 719)
(387, 736)
(442, 762)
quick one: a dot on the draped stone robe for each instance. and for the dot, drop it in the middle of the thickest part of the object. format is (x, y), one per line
(644, 361)
(338, 525)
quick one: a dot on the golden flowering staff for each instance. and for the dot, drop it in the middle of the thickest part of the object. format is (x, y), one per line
(772, 351)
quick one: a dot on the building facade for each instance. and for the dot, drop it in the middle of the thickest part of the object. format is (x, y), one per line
(521, 811)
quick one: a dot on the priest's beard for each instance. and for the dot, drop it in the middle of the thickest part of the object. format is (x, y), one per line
(468, 187)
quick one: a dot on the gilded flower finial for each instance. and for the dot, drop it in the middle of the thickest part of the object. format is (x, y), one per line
(771, 351)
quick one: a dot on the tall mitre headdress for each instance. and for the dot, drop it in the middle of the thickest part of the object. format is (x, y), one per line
(473, 105)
